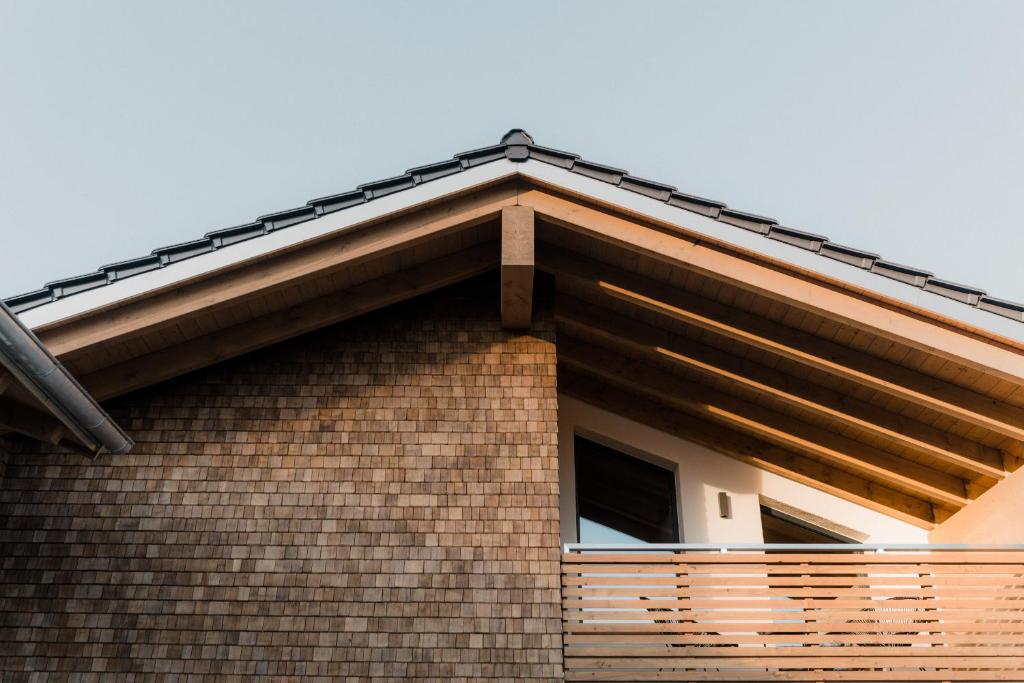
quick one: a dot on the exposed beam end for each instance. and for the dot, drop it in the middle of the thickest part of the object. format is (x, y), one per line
(517, 266)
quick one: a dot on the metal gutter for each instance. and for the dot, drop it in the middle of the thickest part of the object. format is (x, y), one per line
(27, 359)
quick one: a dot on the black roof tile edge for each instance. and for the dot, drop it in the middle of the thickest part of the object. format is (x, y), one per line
(227, 236)
(288, 217)
(602, 172)
(382, 188)
(903, 273)
(851, 255)
(184, 250)
(649, 188)
(747, 221)
(1007, 309)
(518, 145)
(798, 238)
(77, 283)
(954, 290)
(135, 266)
(23, 302)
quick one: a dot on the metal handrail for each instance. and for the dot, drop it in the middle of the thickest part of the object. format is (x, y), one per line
(806, 547)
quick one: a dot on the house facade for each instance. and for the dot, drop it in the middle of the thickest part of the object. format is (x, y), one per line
(514, 416)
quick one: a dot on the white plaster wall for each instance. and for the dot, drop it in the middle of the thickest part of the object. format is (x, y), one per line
(995, 517)
(700, 475)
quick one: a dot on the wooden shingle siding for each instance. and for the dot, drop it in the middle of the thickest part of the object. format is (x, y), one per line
(375, 501)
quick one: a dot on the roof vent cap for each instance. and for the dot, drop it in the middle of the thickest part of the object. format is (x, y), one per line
(516, 136)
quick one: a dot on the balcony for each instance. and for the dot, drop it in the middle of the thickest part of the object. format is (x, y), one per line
(793, 613)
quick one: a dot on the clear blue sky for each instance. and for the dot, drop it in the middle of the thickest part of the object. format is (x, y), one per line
(893, 126)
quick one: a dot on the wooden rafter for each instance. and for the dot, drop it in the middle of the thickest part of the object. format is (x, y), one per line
(679, 247)
(787, 342)
(648, 410)
(263, 331)
(655, 343)
(767, 425)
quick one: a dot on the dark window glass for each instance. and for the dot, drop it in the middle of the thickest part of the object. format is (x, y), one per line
(622, 499)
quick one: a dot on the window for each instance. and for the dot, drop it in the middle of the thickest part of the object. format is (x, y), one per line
(782, 527)
(622, 499)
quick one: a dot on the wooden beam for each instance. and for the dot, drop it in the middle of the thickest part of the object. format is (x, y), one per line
(644, 409)
(517, 239)
(657, 344)
(810, 291)
(17, 417)
(796, 345)
(332, 253)
(766, 425)
(269, 329)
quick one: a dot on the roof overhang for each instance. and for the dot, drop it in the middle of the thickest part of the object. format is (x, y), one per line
(923, 393)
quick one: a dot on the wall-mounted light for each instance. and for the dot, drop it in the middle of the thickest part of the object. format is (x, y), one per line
(724, 505)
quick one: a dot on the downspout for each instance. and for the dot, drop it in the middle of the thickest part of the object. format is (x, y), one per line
(27, 359)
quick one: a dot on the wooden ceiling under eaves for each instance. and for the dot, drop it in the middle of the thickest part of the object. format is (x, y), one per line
(792, 392)
(726, 363)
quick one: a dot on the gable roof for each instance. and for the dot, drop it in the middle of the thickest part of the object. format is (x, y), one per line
(518, 146)
(770, 345)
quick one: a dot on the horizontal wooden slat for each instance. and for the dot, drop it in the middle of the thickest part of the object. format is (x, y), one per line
(934, 557)
(647, 623)
(696, 583)
(792, 639)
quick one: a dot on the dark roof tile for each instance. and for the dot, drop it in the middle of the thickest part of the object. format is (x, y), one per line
(608, 174)
(658, 191)
(705, 207)
(135, 266)
(239, 233)
(337, 202)
(1007, 309)
(283, 219)
(898, 271)
(424, 174)
(855, 257)
(953, 290)
(555, 157)
(798, 238)
(747, 221)
(517, 136)
(23, 302)
(76, 284)
(475, 157)
(185, 250)
(382, 188)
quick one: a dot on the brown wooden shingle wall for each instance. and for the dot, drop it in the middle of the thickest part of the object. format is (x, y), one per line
(377, 501)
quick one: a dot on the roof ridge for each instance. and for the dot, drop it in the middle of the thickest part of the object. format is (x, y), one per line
(516, 145)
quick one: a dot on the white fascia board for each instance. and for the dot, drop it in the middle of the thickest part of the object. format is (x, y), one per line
(257, 247)
(788, 253)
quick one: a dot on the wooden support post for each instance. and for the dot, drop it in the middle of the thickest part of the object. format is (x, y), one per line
(516, 266)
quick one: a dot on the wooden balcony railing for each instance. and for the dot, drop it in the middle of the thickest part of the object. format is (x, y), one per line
(793, 613)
